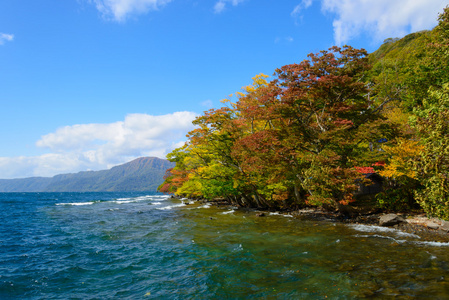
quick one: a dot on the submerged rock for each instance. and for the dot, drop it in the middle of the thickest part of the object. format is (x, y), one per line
(390, 220)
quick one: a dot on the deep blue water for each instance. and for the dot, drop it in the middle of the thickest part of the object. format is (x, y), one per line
(146, 246)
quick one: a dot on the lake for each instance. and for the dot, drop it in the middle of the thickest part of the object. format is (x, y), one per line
(148, 246)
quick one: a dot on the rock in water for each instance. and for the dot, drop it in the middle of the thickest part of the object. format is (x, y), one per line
(390, 220)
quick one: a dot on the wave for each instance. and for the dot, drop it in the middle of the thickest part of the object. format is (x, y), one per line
(374, 228)
(143, 198)
(140, 198)
(228, 212)
(436, 244)
(77, 203)
(171, 206)
(155, 198)
(396, 233)
(123, 201)
(381, 237)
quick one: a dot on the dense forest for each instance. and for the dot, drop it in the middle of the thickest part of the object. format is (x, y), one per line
(315, 132)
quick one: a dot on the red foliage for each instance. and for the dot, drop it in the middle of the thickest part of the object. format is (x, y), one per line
(365, 170)
(165, 188)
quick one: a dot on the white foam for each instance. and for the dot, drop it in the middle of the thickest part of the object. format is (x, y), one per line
(205, 206)
(228, 212)
(160, 196)
(143, 198)
(436, 244)
(76, 203)
(373, 228)
(123, 201)
(381, 237)
(370, 228)
(133, 199)
(276, 213)
(170, 206)
(140, 198)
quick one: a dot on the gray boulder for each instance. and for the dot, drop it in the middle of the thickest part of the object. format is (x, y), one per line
(432, 225)
(390, 220)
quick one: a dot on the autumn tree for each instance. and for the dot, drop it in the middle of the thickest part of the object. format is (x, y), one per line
(330, 122)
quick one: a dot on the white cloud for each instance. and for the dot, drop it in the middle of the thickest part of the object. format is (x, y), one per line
(221, 5)
(379, 19)
(44, 165)
(101, 146)
(4, 37)
(119, 10)
(303, 5)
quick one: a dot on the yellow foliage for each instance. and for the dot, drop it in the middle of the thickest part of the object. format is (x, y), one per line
(191, 188)
(400, 118)
(402, 154)
(258, 81)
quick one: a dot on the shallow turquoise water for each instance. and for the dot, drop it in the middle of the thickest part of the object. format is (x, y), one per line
(142, 246)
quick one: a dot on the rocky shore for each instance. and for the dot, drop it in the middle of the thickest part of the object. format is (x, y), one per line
(429, 229)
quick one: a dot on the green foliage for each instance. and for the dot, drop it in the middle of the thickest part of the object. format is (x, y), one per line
(398, 194)
(397, 66)
(295, 139)
(433, 165)
(409, 77)
(431, 122)
(302, 137)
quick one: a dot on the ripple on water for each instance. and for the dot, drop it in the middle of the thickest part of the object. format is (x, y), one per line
(155, 246)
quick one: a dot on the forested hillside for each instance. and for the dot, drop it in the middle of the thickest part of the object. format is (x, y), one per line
(315, 131)
(142, 174)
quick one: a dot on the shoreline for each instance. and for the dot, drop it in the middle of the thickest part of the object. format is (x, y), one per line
(428, 229)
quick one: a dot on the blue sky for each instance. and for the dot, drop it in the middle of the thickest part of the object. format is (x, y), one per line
(89, 84)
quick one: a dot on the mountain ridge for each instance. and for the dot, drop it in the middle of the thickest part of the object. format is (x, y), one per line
(141, 174)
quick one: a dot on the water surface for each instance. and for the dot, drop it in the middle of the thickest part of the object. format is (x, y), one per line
(146, 246)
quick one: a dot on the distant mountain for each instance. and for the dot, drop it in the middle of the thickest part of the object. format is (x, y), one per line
(141, 174)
